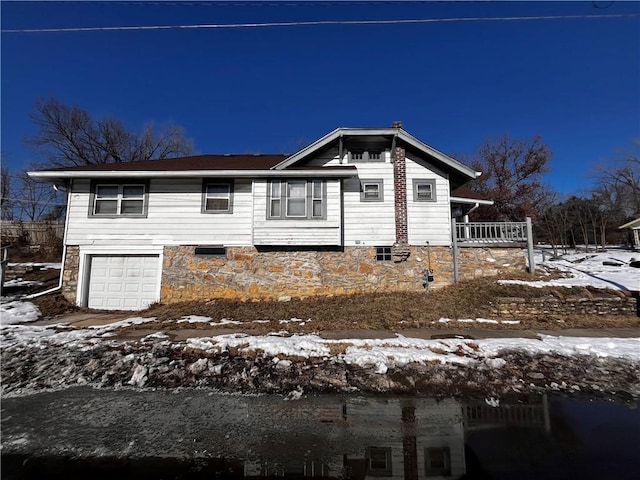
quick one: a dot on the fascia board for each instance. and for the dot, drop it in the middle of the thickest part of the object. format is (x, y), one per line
(470, 201)
(328, 173)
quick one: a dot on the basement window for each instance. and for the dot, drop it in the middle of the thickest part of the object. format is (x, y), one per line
(210, 251)
(383, 254)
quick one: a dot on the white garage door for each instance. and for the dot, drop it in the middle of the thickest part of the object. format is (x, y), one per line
(123, 282)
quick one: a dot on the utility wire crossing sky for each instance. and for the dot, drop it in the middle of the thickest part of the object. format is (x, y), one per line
(271, 77)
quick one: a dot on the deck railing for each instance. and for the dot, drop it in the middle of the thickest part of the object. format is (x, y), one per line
(491, 232)
(527, 415)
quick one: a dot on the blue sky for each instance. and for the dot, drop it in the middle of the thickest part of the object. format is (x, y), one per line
(576, 82)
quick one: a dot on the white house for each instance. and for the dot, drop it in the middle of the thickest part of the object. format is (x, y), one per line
(634, 226)
(359, 210)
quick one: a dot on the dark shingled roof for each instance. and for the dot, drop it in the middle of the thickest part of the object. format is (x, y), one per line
(196, 162)
(465, 192)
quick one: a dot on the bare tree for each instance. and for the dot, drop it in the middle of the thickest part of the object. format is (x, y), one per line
(69, 136)
(512, 177)
(36, 200)
(6, 198)
(618, 183)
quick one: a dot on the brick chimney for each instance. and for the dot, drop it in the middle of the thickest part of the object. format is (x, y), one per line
(400, 251)
(396, 125)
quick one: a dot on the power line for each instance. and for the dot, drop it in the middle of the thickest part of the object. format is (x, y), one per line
(272, 3)
(317, 23)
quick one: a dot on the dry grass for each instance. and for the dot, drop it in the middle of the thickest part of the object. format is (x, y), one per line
(468, 299)
(388, 311)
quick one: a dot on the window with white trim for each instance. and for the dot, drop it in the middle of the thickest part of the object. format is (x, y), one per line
(424, 190)
(113, 200)
(371, 190)
(217, 197)
(297, 199)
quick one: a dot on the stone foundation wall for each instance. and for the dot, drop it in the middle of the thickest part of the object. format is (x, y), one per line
(477, 262)
(249, 273)
(70, 274)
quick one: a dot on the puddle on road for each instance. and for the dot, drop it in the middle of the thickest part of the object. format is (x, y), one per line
(86, 433)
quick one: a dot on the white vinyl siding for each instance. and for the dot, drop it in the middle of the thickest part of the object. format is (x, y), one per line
(291, 231)
(174, 214)
(369, 223)
(174, 217)
(428, 221)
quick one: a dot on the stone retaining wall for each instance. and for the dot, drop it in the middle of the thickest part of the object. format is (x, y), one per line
(550, 306)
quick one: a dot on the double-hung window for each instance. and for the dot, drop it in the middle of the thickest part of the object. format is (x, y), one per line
(424, 190)
(297, 199)
(119, 200)
(371, 190)
(217, 197)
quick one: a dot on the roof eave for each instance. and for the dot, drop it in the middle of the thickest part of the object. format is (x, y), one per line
(470, 201)
(57, 176)
(632, 224)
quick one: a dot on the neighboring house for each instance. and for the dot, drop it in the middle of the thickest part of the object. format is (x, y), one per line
(359, 210)
(634, 226)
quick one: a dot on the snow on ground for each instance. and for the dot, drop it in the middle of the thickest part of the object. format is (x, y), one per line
(43, 266)
(381, 354)
(16, 312)
(587, 269)
(19, 282)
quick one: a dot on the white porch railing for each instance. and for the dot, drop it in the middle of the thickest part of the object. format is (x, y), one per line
(491, 232)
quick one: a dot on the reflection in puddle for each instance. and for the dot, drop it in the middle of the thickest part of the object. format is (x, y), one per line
(200, 435)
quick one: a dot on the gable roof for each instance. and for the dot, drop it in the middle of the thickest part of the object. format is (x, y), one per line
(181, 164)
(264, 165)
(229, 165)
(461, 172)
